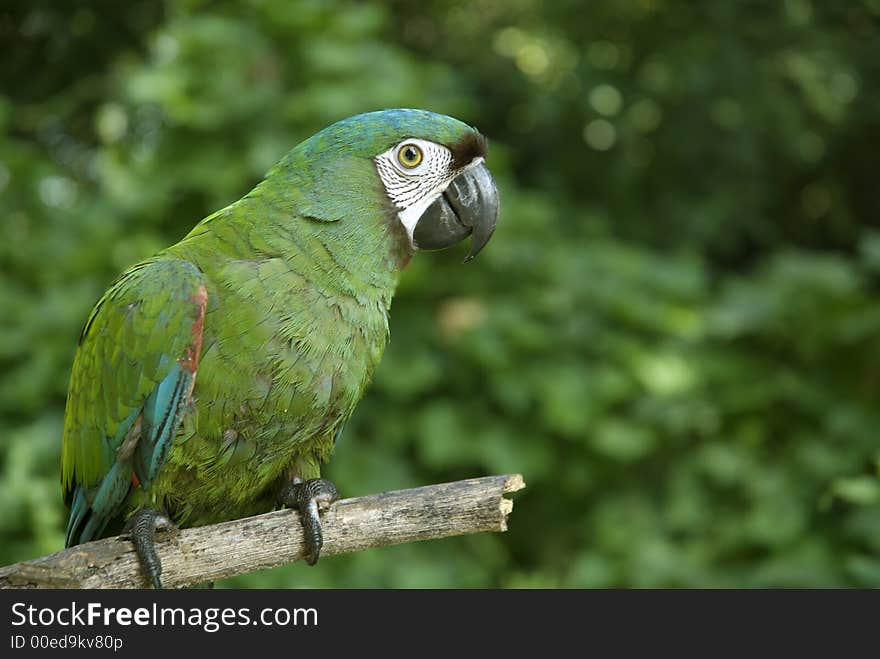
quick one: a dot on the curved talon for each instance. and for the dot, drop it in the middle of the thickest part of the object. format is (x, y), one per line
(310, 498)
(143, 535)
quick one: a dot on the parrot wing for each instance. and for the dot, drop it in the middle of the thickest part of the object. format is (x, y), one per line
(132, 377)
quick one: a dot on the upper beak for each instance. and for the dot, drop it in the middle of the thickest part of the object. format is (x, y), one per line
(468, 206)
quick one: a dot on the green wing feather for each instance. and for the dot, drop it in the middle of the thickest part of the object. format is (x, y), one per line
(134, 368)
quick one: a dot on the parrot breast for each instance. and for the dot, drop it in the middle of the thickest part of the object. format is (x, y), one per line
(285, 359)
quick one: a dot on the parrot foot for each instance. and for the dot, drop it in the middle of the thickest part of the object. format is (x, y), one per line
(310, 498)
(142, 531)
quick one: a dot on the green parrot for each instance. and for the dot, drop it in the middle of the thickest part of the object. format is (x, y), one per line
(212, 380)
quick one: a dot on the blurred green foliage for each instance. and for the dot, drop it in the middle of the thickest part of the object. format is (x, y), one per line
(674, 334)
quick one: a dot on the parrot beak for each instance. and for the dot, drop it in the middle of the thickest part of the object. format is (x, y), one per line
(468, 206)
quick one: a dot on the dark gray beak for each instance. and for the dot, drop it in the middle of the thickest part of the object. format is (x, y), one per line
(468, 206)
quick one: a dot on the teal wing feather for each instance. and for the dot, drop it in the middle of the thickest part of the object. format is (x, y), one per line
(132, 377)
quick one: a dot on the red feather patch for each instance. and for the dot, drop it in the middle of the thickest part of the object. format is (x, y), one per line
(190, 361)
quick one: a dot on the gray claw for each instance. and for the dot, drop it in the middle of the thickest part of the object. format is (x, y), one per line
(310, 498)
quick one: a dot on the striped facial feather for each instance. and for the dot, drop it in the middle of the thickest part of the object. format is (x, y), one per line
(413, 188)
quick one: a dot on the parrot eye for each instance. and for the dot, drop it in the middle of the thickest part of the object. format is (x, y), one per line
(409, 155)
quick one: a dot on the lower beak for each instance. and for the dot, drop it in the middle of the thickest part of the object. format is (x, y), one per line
(468, 206)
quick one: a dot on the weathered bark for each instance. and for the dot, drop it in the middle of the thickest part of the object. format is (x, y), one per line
(208, 553)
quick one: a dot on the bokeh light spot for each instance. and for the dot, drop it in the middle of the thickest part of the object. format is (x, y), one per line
(600, 134)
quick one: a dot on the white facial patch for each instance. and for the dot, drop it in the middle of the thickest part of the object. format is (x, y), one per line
(413, 189)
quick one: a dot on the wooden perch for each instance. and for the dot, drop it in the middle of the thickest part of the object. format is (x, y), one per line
(208, 553)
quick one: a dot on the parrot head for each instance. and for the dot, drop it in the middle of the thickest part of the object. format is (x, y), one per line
(430, 168)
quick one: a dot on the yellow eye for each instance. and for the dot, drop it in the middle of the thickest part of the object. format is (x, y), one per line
(409, 155)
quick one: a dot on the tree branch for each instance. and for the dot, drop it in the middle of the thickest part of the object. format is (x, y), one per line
(208, 553)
